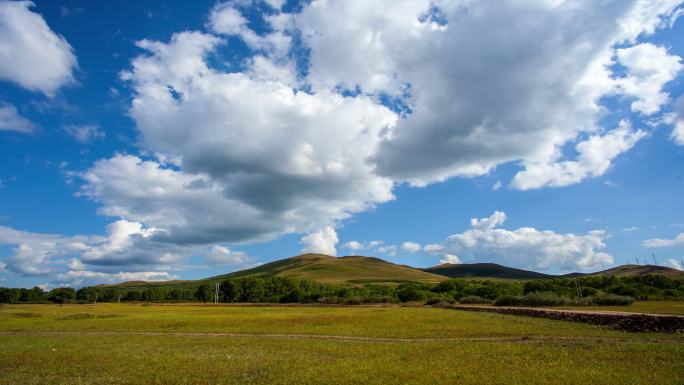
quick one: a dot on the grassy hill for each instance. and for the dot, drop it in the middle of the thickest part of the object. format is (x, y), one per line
(319, 268)
(633, 270)
(327, 269)
(484, 270)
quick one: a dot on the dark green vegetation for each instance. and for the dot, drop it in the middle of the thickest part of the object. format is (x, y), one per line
(265, 288)
(483, 270)
(112, 344)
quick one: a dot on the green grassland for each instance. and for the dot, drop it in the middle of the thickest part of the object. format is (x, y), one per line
(224, 344)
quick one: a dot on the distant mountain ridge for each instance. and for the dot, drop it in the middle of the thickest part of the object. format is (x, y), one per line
(484, 270)
(354, 270)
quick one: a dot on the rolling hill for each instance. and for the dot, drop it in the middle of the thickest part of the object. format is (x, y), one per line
(484, 270)
(633, 270)
(328, 269)
(319, 268)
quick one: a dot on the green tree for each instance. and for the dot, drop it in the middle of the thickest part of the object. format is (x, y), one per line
(62, 295)
(230, 291)
(204, 293)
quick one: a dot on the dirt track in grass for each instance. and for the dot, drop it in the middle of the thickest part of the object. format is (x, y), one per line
(516, 339)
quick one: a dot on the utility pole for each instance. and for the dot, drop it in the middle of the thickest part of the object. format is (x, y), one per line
(95, 297)
(578, 287)
(216, 293)
(118, 298)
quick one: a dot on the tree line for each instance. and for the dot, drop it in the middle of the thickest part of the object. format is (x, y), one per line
(273, 289)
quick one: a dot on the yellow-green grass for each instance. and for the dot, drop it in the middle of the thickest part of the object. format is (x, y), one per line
(403, 346)
(653, 307)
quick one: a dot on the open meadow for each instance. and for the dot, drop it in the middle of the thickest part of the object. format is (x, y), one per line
(227, 344)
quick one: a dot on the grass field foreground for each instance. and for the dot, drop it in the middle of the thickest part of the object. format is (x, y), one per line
(403, 345)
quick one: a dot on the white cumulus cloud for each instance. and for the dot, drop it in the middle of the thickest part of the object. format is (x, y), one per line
(649, 68)
(94, 259)
(221, 255)
(595, 156)
(527, 247)
(411, 247)
(353, 245)
(10, 120)
(450, 259)
(323, 241)
(664, 242)
(31, 54)
(519, 92)
(257, 158)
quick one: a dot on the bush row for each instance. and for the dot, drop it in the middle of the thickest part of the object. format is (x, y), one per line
(271, 289)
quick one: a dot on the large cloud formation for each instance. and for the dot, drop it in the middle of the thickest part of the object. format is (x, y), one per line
(257, 158)
(489, 82)
(262, 156)
(525, 247)
(126, 252)
(31, 54)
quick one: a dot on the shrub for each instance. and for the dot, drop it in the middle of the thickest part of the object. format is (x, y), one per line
(613, 300)
(379, 299)
(411, 293)
(473, 300)
(585, 301)
(330, 300)
(590, 291)
(439, 301)
(356, 300)
(543, 299)
(508, 300)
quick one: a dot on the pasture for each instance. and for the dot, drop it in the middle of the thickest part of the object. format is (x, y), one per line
(224, 344)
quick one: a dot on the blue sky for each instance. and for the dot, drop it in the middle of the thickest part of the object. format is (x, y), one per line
(187, 139)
